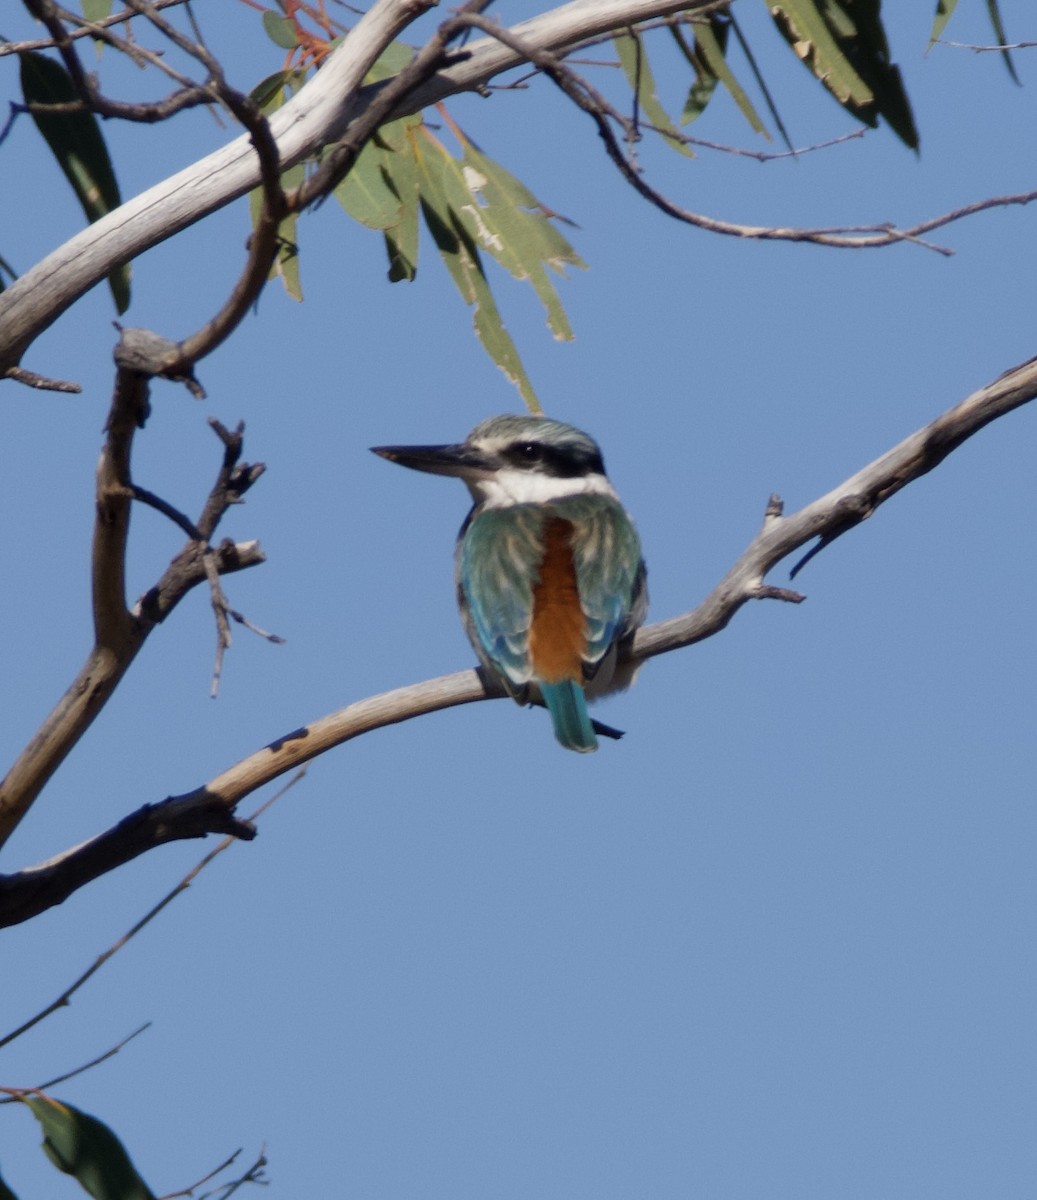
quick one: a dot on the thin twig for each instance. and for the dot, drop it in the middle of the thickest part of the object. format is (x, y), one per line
(986, 49)
(601, 112)
(28, 892)
(92, 100)
(85, 29)
(119, 631)
(190, 1190)
(94, 1062)
(64, 999)
(34, 380)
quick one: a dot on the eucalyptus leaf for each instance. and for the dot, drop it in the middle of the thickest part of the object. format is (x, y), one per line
(844, 45)
(1001, 38)
(76, 141)
(462, 259)
(944, 12)
(634, 60)
(712, 52)
(280, 30)
(84, 1147)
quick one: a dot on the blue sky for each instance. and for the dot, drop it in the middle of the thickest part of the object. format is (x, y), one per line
(779, 941)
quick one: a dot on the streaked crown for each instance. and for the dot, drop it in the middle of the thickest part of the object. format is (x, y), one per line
(537, 444)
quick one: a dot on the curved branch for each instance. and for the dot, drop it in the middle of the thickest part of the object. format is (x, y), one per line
(119, 631)
(210, 808)
(320, 113)
(587, 98)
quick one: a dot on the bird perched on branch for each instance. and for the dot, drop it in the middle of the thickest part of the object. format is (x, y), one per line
(550, 579)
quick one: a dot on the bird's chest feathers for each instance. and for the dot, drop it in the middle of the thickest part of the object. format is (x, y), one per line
(557, 633)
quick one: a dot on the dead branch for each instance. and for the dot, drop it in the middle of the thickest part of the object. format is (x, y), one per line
(91, 99)
(591, 101)
(111, 1052)
(210, 808)
(119, 631)
(65, 998)
(85, 28)
(317, 116)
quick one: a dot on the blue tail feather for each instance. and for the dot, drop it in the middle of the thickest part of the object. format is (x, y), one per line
(568, 708)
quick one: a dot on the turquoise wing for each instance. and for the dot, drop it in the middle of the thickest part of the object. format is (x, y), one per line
(498, 564)
(609, 570)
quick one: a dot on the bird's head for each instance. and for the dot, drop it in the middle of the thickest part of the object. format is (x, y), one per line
(514, 459)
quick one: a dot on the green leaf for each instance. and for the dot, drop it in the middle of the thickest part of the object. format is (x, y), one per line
(1001, 38)
(710, 49)
(761, 83)
(84, 1147)
(270, 94)
(391, 61)
(844, 45)
(634, 61)
(76, 142)
(505, 218)
(366, 193)
(438, 176)
(97, 10)
(5, 1192)
(286, 262)
(381, 192)
(944, 12)
(704, 87)
(280, 30)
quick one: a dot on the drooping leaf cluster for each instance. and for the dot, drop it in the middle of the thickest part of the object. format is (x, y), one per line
(471, 206)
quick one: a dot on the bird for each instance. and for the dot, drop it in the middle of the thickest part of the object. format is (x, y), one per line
(549, 574)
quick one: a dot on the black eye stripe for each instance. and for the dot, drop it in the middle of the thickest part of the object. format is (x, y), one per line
(567, 461)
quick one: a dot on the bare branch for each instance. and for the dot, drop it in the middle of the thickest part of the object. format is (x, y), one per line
(85, 29)
(120, 632)
(87, 1066)
(587, 98)
(91, 99)
(41, 382)
(211, 807)
(65, 998)
(317, 115)
(986, 49)
(835, 513)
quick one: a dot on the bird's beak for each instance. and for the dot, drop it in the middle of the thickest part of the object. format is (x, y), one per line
(460, 460)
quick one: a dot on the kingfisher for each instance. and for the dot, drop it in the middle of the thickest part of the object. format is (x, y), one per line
(548, 569)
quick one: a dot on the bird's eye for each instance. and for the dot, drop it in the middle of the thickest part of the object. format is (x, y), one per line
(530, 451)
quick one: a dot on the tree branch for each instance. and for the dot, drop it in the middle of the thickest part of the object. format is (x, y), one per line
(587, 98)
(120, 632)
(210, 808)
(319, 114)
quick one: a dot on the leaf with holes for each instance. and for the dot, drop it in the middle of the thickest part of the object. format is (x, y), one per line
(440, 198)
(506, 219)
(844, 45)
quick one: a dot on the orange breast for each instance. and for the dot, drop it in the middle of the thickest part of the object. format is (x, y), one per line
(557, 641)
